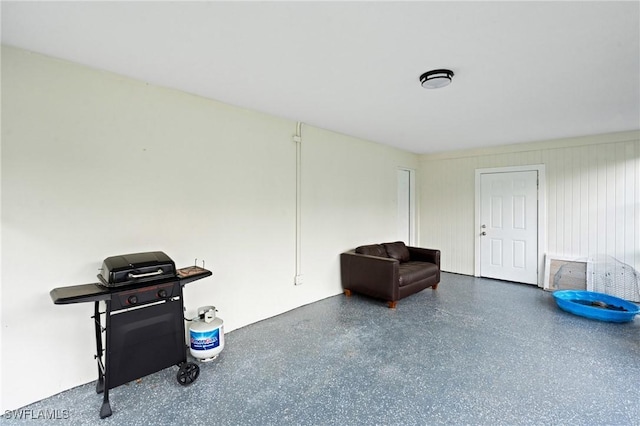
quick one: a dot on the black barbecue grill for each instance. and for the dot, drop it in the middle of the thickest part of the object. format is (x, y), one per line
(144, 318)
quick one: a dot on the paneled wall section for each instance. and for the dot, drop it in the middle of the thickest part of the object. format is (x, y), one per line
(593, 197)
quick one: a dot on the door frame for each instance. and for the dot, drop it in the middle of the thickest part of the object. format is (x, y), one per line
(412, 203)
(542, 213)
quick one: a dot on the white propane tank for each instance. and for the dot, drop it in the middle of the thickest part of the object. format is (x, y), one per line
(206, 334)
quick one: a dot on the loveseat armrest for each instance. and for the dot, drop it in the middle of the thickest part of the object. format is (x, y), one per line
(425, 255)
(370, 275)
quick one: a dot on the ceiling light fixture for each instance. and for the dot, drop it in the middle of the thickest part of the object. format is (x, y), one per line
(436, 79)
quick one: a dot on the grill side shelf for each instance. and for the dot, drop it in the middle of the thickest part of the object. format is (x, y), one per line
(79, 294)
(192, 273)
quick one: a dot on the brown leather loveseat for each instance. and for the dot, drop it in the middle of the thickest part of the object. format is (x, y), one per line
(389, 271)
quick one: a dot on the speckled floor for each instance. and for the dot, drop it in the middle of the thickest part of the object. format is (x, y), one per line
(475, 351)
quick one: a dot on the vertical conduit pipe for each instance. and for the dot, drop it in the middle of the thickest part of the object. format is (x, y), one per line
(297, 138)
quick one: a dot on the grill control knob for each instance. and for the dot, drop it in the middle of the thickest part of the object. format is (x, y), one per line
(162, 293)
(132, 300)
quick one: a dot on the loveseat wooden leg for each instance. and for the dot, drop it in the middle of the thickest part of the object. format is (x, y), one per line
(392, 304)
(347, 292)
(435, 286)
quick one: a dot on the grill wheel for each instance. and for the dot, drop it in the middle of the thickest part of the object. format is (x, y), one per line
(188, 373)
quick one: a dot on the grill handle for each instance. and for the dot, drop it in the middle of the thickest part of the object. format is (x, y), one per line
(148, 274)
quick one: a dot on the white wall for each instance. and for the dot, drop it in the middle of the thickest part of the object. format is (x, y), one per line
(593, 197)
(95, 164)
(349, 195)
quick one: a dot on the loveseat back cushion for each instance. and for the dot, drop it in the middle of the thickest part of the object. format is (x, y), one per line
(372, 250)
(397, 251)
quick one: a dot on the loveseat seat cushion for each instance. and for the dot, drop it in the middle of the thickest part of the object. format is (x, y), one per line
(372, 250)
(397, 250)
(412, 272)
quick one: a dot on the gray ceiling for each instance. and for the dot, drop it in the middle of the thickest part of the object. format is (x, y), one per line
(525, 71)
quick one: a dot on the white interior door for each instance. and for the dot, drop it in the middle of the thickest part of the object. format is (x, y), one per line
(405, 206)
(509, 226)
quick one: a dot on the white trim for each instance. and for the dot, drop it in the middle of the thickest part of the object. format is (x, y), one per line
(542, 213)
(629, 136)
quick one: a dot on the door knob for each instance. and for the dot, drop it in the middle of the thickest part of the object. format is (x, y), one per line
(483, 233)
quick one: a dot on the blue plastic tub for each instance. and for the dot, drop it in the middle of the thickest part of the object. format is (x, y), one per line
(598, 306)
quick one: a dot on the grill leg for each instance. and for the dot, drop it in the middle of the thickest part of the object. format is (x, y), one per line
(105, 410)
(99, 351)
(100, 385)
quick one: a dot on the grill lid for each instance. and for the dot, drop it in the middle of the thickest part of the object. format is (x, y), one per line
(134, 268)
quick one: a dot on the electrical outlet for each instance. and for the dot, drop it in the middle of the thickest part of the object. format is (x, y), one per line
(298, 280)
